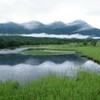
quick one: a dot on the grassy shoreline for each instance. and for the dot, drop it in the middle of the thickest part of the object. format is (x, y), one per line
(89, 52)
(86, 86)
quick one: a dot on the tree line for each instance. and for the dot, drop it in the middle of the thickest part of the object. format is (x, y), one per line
(15, 41)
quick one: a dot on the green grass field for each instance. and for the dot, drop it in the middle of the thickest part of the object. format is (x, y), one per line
(86, 86)
(90, 52)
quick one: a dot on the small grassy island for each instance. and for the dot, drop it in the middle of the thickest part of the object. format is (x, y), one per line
(46, 52)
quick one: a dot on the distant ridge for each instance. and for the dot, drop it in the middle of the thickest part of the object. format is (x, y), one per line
(57, 27)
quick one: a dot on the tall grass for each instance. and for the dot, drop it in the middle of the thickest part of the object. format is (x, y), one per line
(86, 86)
(90, 52)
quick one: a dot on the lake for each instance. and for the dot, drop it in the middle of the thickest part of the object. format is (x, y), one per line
(16, 66)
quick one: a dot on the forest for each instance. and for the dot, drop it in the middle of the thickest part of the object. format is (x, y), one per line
(16, 41)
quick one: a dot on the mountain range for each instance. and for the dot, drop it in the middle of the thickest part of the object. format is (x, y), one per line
(57, 27)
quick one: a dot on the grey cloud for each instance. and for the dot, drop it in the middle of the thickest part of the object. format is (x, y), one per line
(94, 13)
(48, 10)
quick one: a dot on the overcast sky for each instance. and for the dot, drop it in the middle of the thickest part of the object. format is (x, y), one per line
(48, 11)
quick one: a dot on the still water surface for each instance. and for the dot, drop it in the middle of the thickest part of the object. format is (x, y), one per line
(15, 66)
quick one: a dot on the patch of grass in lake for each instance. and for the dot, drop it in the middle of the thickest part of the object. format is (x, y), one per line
(46, 52)
(86, 86)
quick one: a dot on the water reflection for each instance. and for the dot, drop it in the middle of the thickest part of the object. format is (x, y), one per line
(20, 67)
(13, 59)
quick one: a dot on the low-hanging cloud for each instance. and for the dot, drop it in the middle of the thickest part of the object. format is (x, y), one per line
(60, 36)
(77, 36)
(50, 10)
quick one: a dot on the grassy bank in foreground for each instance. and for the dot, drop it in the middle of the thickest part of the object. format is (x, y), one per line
(86, 86)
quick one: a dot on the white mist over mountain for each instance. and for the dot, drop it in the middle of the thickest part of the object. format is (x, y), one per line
(77, 29)
(32, 25)
(83, 25)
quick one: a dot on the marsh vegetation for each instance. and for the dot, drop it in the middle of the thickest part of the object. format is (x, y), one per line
(86, 86)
